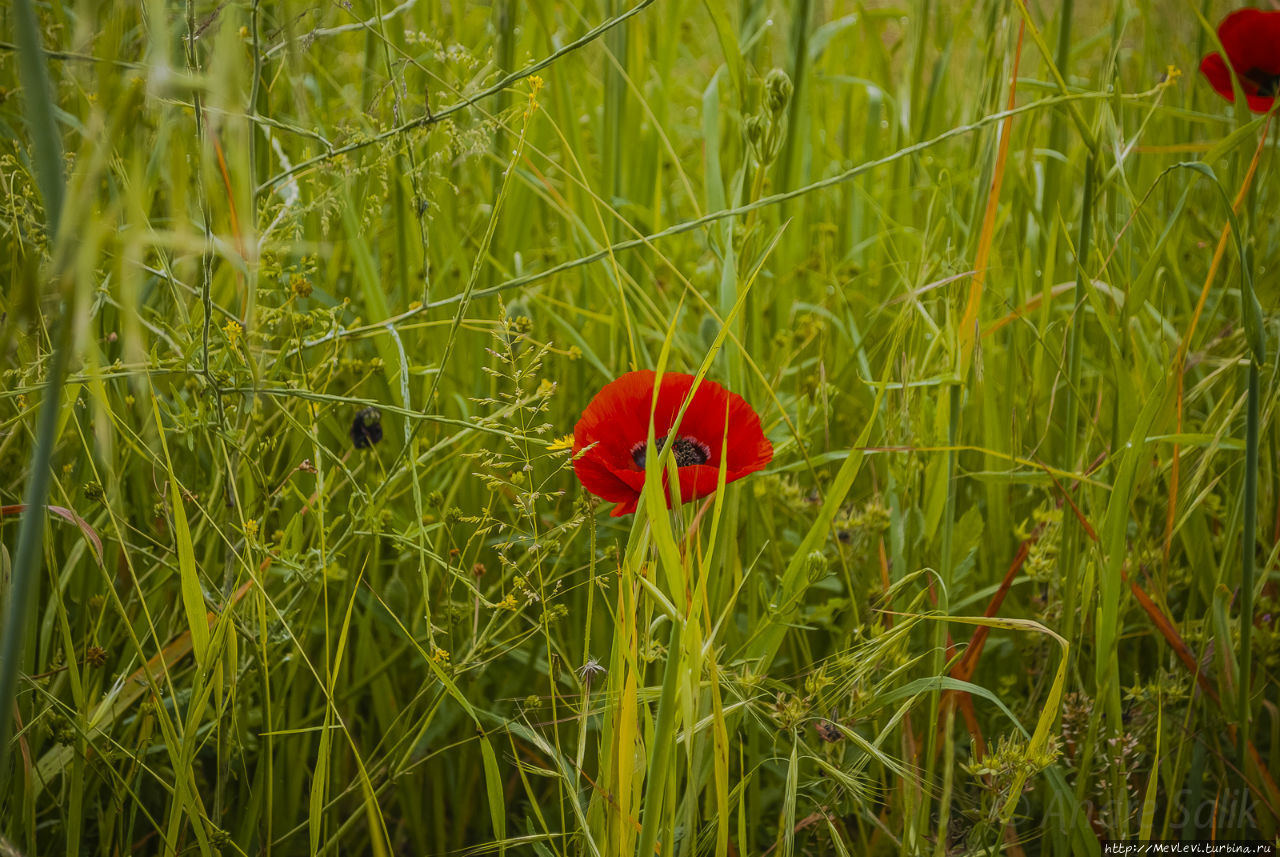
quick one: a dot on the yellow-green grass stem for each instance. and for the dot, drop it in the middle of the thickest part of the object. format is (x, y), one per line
(39, 107)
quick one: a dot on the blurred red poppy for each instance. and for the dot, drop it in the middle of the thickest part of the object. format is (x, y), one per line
(1251, 38)
(615, 425)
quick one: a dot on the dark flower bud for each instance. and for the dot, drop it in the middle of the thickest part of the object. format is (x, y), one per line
(366, 428)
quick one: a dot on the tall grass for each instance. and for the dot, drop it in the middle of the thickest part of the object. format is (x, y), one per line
(986, 270)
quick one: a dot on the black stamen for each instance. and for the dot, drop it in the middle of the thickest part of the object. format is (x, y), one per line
(688, 451)
(685, 450)
(1266, 84)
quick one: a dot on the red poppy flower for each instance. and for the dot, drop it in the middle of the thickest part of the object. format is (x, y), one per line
(615, 425)
(1252, 41)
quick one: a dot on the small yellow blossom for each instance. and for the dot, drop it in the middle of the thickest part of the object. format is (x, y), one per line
(508, 603)
(233, 330)
(535, 86)
(561, 444)
(439, 656)
(251, 530)
(545, 389)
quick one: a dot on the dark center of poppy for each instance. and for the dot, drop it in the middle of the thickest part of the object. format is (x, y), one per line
(1265, 83)
(685, 450)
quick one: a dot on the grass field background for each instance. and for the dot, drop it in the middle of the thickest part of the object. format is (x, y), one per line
(974, 263)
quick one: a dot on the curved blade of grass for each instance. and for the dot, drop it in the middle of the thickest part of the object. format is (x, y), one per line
(1049, 714)
(39, 106)
(931, 684)
(67, 515)
(192, 593)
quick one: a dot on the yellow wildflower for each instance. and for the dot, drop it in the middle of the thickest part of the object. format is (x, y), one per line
(561, 444)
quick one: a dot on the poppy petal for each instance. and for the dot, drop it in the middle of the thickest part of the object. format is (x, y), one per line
(749, 449)
(633, 478)
(1215, 70)
(598, 478)
(675, 388)
(612, 418)
(700, 481)
(1260, 103)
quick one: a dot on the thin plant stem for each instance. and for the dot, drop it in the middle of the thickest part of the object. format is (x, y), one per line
(1248, 546)
(1075, 349)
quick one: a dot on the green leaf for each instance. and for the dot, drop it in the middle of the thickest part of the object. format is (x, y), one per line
(192, 593)
(493, 788)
